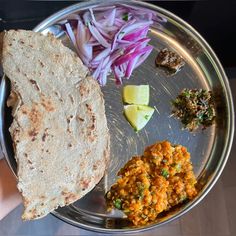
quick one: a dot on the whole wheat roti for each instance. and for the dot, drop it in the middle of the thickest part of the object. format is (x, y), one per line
(59, 131)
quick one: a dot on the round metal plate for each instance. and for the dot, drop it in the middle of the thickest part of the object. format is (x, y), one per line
(209, 148)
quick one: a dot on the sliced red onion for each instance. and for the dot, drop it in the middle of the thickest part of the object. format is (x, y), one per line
(142, 59)
(70, 33)
(125, 58)
(103, 32)
(139, 44)
(118, 75)
(133, 27)
(104, 28)
(136, 34)
(111, 39)
(102, 55)
(121, 30)
(97, 70)
(96, 34)
(111, 18)
(87, 18)
(130, 66)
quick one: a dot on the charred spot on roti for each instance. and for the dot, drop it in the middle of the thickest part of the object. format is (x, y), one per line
(35, 116)
(47, 104)
(45, 134)
(89, 108)
(79, 118)
(68, 120)
(33, 139)
(29, 161)
(35, 85)
(95, 167)
(84, 90)
(41, 63)
(70, 197)
(92, 127)
(33, 133)
(44, 137)
(85, 183)
(68, 130)
(92, 134)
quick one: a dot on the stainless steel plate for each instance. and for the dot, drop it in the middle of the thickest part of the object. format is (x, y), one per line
(209, 148)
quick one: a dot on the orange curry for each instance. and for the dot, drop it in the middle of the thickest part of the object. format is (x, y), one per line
(152, 183)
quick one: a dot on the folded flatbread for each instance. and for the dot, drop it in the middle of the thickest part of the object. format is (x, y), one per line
(59, 131)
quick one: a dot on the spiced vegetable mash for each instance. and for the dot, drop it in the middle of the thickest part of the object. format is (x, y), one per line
(152, 183)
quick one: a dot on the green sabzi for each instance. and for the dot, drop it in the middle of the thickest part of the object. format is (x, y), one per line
(195, 108)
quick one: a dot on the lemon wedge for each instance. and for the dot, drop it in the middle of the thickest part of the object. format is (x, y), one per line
(138, 115)
(136, 94)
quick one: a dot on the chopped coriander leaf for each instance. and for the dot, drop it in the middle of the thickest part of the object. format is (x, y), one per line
(143, 216)
(126, 211)
(146, 117)
(125, 16)
(140, 190)
(178, 167)
(183, 198)
(117, 203)
(165, 173)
